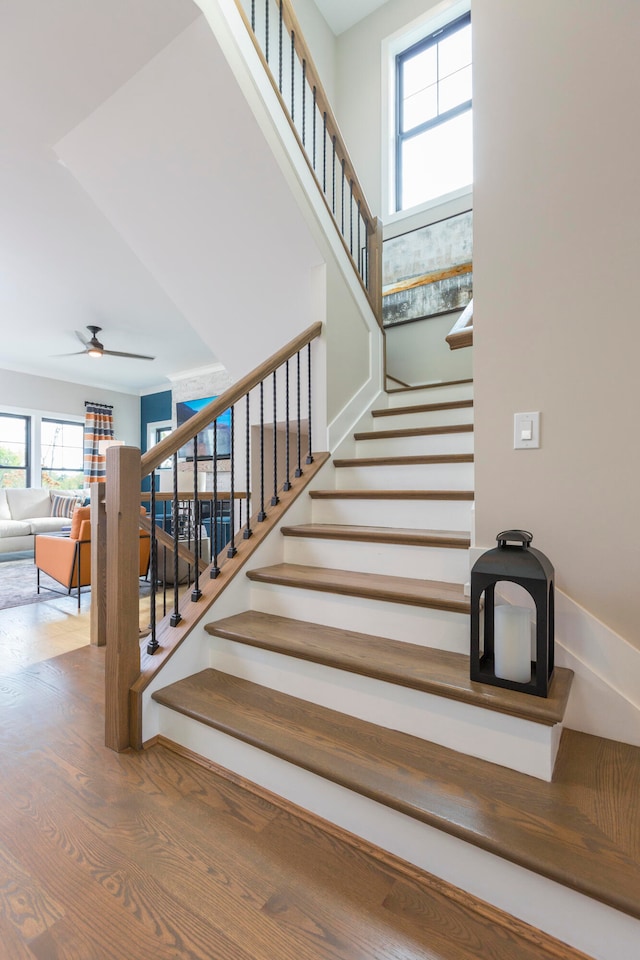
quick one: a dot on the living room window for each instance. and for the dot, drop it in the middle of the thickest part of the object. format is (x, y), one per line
(15, 434)
(61, 454)
(434, 137)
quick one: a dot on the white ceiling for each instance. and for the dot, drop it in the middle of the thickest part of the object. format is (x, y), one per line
(343, 14)
(69, 253)
(62, 264)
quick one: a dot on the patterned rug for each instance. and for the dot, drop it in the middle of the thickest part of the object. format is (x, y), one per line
(18, 584)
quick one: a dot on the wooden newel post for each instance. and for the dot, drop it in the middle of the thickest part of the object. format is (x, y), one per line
(123, 644)
(375, 269)
(98, 633)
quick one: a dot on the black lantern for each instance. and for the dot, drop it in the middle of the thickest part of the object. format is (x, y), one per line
(506, 658)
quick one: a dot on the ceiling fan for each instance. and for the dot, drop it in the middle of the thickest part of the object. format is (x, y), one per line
(93, 347)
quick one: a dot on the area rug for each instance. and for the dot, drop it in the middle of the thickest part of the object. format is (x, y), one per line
(18, 584)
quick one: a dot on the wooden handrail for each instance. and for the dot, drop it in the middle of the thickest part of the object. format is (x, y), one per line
(372, 223)
(200, 420)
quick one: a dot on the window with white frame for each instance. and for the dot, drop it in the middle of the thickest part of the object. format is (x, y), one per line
(434, 137)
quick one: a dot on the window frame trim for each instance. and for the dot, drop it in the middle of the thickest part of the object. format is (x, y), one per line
(400, 136)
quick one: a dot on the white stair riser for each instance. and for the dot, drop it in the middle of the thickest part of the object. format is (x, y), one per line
(400, 560)
(592, 927)
(429, 476)
(442, 629)
(432, 418)
(413, 514)
(434, 443)
(411, 398)
(509, 741)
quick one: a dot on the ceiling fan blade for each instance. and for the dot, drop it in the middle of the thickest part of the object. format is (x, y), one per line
(77, 353)
(132, 356)
(83, 340)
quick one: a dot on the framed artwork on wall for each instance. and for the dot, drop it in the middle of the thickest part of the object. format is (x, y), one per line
(185, 409)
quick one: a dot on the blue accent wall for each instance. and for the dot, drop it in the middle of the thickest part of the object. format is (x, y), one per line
(153, 407)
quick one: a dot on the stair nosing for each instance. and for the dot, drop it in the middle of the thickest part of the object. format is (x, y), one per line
(372, 586)
(431, 459)
(544, 711)
(408, 432)
(431, 386)
(363, 494)
(422, 408)
(451, 539)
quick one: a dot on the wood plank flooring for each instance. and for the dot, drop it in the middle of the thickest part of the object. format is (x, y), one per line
(107, 856)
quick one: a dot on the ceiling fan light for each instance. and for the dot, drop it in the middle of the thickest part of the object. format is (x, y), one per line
(94, 352)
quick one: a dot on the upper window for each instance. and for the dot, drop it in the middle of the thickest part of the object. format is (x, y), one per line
(14, 450)
(61, 454)
(434, 139)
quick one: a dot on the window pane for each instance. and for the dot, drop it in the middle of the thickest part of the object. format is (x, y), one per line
(455, 90)
(419, 71)
(437, 161)
(420, 107)
(454, 52)
(13, 478)
(13, 442)
(61, 446)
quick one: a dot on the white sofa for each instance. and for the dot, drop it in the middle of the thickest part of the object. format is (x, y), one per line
(27, 511)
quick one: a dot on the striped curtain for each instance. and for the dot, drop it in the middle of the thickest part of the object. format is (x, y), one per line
(98, 425)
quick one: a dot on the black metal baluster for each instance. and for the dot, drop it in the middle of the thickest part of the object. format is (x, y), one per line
(287, 482)
(253, 15)
(359, 244)
(333, 178)
(280, 50)
(342, 204)
(298, 472)
(324, 153)
(153, 644)
(309, 455)
(215, 569)
(351, 217)
(196, 593)
(247, 530)
(164, 561)
(315, 117)
(266, 30)
(231, 551)
(262, 515)
(275, 499)
(175, 616)
(304, 101)
(293, 76)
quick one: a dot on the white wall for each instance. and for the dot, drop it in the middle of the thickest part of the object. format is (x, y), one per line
(419, 353)
(556, 218)
(361, 96)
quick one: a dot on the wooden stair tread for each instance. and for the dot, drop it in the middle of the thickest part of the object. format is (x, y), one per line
(362, 494)
(429, 386)
(553, 829)
(374, 586)
(458, 539)
(439, 672)
(414, 432)
(422, 408)
(407, 461)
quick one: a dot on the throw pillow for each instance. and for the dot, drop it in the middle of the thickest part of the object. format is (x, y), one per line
(79, 514)
(62, 505)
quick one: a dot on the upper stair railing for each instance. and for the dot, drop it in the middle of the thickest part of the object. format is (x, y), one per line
(278, 39)
(244, 451)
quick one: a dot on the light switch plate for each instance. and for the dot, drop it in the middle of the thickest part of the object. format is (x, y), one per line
(525, 424)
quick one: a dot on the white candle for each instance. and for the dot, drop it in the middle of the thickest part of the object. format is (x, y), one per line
(512, 643)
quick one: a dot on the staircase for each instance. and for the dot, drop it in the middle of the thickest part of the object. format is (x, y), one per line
(345, 689)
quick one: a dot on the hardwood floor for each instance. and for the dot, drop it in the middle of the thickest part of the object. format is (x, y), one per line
(107, 856)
